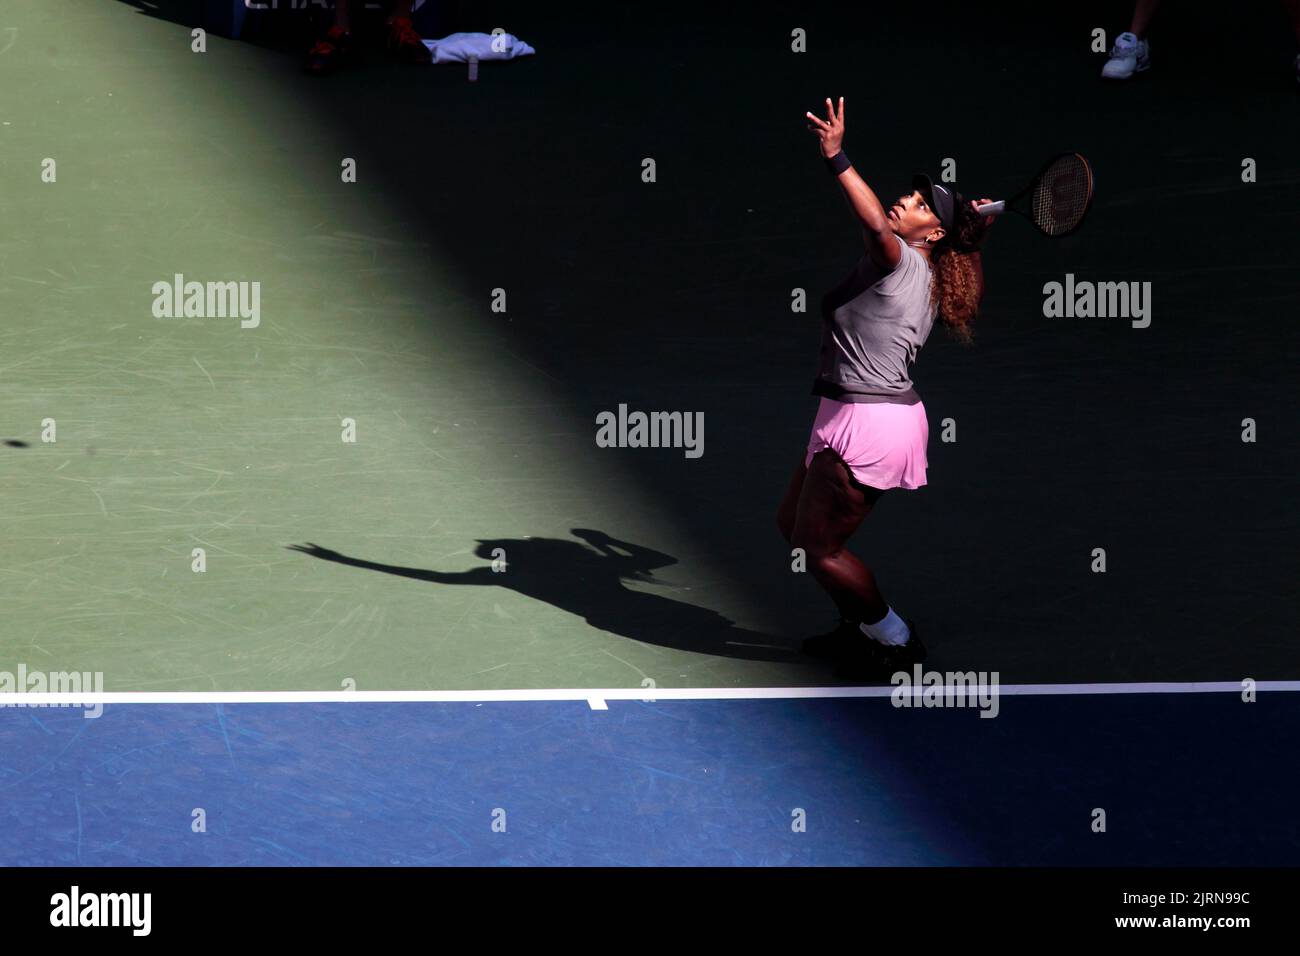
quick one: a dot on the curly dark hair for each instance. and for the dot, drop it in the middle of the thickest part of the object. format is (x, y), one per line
(955, 284)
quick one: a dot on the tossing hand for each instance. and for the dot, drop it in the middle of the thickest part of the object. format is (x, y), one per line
(830, 130)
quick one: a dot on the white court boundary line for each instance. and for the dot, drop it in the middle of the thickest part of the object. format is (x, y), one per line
(597, 695)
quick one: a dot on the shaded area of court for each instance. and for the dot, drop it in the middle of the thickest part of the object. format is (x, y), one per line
(1183, 780)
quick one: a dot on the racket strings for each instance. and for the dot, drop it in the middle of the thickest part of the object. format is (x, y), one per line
(1061, 195)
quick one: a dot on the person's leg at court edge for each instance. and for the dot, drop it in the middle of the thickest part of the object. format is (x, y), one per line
(830, 509)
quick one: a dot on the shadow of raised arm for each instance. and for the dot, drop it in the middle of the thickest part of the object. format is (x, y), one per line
(473, 576)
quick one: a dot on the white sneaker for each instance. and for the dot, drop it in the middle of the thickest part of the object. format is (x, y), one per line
(1129, 55)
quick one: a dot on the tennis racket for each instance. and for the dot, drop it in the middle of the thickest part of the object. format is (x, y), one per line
(1056, 200)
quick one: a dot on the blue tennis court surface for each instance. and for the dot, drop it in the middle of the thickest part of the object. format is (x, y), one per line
(1183, 779)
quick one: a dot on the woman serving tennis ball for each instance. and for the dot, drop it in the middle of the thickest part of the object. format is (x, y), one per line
(921, 263)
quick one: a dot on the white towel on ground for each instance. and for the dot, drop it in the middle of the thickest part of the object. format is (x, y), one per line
(459, 47)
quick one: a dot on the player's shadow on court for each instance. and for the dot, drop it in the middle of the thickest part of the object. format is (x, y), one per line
(587, 580)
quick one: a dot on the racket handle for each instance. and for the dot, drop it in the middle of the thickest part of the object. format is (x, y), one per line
(992, 208)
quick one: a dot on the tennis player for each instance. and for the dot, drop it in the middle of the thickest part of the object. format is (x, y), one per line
(921, 262)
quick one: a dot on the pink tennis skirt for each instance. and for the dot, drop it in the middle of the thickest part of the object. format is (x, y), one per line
(883, 444)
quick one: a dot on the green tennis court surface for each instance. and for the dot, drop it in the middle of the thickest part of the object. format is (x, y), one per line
(177, 434)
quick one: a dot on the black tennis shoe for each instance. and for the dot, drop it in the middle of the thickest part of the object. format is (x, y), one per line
(869, 661)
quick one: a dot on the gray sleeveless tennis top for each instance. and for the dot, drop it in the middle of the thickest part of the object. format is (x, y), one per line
(873, 324)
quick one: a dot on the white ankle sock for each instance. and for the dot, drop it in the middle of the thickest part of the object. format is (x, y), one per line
(890, 629)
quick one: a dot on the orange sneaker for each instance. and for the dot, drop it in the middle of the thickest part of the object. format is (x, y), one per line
(405, 44)
(329, 53)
